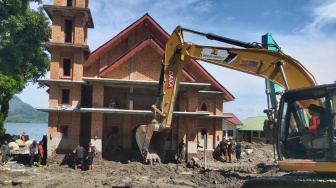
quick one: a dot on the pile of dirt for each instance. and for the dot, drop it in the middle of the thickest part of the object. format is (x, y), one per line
(132, 173)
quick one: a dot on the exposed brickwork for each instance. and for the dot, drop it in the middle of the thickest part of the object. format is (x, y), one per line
(54, 95)
(77, 65)
(145, 59)
(54, 63)
(79, 29)
(144, 65)
(98, 97)
(59, 2)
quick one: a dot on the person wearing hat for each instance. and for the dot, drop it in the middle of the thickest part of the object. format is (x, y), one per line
(91, 154)
(315, 117)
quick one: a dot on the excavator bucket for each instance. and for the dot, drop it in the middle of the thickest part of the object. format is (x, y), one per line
(150, 141)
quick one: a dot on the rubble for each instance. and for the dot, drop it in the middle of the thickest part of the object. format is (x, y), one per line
(113, 173)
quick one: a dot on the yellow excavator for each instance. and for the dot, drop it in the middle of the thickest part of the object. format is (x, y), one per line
(296, 148)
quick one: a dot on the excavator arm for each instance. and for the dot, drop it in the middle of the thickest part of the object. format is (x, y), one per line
(249, 58)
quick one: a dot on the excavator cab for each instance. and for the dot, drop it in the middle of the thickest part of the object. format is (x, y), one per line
(293, 138)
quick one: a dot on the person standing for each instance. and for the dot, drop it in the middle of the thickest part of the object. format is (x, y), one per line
(5, 152)
(40, 153)
(90, 156)
(32, 152)
(222, 149)
(44, 140)
(238, 151)
(79, 151)
(23, 136)
(180, 151)
(230, 149)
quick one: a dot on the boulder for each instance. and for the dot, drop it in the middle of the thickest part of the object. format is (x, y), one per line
(13, 146)
(248, 151)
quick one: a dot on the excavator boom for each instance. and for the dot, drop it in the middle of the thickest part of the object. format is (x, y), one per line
(249, 58)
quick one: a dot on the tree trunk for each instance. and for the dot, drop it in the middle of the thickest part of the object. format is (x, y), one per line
(5, 108)
(3, 116)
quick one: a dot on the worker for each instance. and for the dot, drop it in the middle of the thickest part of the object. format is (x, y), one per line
(230, 149)
(223, 150)
(32, 153)
(180, 151)
(315, 117)
(316, 126)
(44, 140)
(23, 136)
(238, 151)
(90, 156)
(79, 151)
(5, 152)
(40, 153)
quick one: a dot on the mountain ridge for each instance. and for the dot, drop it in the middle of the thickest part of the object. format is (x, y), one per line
(21, 112)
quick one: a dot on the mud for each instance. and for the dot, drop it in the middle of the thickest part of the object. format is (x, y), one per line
(128, 171)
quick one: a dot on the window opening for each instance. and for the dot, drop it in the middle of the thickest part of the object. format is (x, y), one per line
(65, 96)
(203, 132)
(66, 67)
(64, 131)
(69, 3)
(68, 30)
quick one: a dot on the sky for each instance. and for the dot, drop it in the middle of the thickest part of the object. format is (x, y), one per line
(304, 29)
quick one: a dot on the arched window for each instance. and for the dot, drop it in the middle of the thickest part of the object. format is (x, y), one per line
(204, 107)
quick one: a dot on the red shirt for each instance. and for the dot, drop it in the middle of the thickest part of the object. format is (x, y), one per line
(40, 149)
(314, 122)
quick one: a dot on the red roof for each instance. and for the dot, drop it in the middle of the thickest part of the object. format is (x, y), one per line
(156, 45)
(234, 120)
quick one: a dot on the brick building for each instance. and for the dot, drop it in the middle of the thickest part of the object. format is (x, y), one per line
(103, 96)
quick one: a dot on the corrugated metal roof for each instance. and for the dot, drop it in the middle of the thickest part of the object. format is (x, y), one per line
(253, 123)
(234, 120)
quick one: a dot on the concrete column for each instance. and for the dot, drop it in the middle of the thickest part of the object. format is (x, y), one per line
(191, 140)
(127, 132)
(97, 130)
(191, 123)
(97, 118)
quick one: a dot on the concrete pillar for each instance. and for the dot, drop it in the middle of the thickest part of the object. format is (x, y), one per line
(97, 118)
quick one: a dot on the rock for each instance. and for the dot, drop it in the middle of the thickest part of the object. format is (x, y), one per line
(193, 163)
(14, 146)
(248, 151)
(20, 142)
(7, 182)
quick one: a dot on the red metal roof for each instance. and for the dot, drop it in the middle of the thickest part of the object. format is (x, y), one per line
(234, 120)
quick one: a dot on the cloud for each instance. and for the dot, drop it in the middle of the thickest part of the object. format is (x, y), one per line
(323, 15)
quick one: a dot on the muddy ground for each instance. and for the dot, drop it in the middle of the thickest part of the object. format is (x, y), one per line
(123, 170)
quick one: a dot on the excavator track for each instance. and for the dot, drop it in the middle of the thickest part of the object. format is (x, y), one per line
(301, 180)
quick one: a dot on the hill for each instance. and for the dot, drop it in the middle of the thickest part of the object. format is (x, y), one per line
(20, 112)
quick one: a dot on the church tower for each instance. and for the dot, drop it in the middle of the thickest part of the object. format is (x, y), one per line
(68, 50)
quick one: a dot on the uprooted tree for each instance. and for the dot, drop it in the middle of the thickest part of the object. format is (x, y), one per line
(22, 57)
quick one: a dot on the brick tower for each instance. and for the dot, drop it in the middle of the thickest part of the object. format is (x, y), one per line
(68, 50)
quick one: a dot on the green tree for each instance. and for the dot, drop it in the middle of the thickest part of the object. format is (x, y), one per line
(22, 57)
